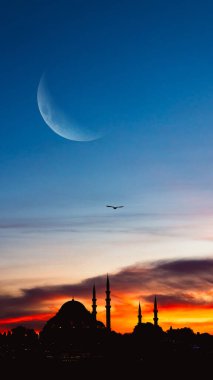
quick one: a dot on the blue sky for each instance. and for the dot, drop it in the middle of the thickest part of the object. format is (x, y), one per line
(140, 70)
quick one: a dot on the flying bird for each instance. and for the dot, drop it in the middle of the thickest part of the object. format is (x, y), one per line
(114, 207)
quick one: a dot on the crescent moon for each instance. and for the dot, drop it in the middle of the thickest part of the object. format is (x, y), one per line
(57, 119)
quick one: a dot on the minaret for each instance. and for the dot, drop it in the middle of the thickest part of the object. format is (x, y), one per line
(155, 319)
(94, 306)
(139, 314)
(108, 306)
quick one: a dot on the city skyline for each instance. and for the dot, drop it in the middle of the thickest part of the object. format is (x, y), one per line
(106, 103)
(191, 308)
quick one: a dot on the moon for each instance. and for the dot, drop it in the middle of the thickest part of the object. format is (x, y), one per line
(58, 120)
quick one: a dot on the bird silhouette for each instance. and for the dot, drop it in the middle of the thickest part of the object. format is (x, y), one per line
(114, 207)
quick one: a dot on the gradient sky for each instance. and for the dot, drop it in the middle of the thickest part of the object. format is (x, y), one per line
(142, 72)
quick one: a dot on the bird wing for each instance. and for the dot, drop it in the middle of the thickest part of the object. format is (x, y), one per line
(114, 206)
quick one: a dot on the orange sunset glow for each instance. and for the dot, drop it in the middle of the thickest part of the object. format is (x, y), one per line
(182, 287)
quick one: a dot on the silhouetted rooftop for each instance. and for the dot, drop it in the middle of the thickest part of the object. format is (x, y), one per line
(74, 310)
(72, 314)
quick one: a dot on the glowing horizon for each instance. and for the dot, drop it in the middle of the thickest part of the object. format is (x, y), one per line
(182, 287)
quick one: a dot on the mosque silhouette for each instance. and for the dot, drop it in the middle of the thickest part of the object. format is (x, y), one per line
(74, 339)
(74, 315)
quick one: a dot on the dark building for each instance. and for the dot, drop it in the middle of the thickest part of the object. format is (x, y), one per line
(140, 325)
(73, 318)
(139, 314)
(108, 305)
(73, 315)
(155, 311)
(72, 325)
(94, 306)
(148, 331)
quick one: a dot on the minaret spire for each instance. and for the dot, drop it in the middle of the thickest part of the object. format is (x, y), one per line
(155, 311)
(108, 306)
(139, 314)
(94, 305)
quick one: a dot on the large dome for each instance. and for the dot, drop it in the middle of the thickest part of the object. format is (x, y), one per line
(76, 314)
(72, 308)
(72, 315)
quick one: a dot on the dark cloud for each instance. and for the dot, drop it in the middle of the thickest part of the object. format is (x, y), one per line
(178, 300)
(187, 266)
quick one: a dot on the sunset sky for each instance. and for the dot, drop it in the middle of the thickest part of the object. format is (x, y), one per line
(139, 74)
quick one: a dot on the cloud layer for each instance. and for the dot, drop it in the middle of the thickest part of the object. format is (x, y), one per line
(184, 290)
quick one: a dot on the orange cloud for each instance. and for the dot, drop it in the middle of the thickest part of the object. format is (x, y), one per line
(183, 287)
